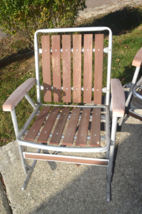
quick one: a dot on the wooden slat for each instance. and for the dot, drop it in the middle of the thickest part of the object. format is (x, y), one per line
(66, 39)
(99, 40)
(77, 68)
(56, 68)
(88, 40)
(37, 124)
(55, 139)
(46, 68)
(43, 137)
(68, 159)
(95, 128)
(83, 128)
(70, 132)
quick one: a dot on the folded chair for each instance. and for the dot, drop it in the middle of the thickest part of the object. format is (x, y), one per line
(72, 100)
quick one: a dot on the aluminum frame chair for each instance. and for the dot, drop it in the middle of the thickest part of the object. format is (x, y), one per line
(74, 136)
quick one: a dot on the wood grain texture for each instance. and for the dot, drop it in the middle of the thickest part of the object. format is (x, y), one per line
(68, 159)
(56, 65)
(55, 139)
(43, 137)
(66, 40)
(87, 94)
(98, 73)
(95, 128)
(118, 98)
(77, 68)
(137, 61)
(72, 125)
(46, 68)
(83, 128)
(37, 124)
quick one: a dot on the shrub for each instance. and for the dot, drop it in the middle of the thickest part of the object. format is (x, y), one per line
(25, 17)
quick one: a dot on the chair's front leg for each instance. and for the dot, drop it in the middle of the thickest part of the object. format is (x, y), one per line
(16, 129)
(111, 157)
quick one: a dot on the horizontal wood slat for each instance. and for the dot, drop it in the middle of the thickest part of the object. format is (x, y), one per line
(43, 137)
(95, 128)
(46, 68)
(77, 68)
(98, 73)
(55, 139)
(56, 68)
(68, 159)
(88, 45)
(37, 124)
(83, 128)
(70, 132)
(66, 39)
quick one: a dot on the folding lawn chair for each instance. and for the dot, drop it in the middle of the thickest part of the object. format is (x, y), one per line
(64, 127)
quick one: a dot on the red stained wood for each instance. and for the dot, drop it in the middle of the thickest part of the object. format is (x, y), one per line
(43, 137)
(56, 68)
(46, 68)
(95, 128)
(37, 124)
(99, 40)
(77, 68)
(55, 139)
(66, 39)
(83, 128)
(68, 159)
(88, 40)
(70, 132)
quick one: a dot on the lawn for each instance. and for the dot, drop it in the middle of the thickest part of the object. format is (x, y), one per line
(126, 26)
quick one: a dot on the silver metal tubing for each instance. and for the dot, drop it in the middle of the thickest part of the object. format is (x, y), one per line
(64, 149)
(135, 87)
(28, 122)
(29, 173)
(30, 101)
(77, 106)
(104, 90)
(61, 50)
(14, 120)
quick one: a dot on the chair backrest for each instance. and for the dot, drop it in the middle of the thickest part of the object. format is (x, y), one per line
(72, 63)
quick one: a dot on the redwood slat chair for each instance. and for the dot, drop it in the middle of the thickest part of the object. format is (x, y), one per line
(76, 93)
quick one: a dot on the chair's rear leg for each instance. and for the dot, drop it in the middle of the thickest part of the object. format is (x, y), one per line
(111, 156)
(30, 172)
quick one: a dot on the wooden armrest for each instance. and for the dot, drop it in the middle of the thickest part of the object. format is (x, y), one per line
(118, 98)
(18, 94)
(137, 61)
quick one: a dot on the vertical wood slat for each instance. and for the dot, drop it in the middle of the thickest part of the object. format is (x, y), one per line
(70, 132)
(55, 139)
(83, 128)
(66, 40)
(46, 68)
(77, 68)
(99, 40)
(87, 94)
(37, 124)
(43, 137)
(95, 128)
(56, 68)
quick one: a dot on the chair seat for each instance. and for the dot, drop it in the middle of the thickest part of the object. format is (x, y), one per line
(63, 126)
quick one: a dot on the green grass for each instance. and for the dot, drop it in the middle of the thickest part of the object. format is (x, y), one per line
(126, 26)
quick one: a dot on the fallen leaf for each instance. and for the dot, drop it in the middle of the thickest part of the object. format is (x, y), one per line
(117, 59)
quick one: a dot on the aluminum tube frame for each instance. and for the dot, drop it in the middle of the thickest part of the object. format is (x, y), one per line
(135, 76)
(77, 106)
(29, 173)
(30, 101)
(80, 29)
(111, 157)
(16, 129)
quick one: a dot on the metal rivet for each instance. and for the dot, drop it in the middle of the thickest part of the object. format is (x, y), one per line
(55, 50)
(98, 49)
(76, 49)
(46, 88)
(33, 130)
(96, 114)
(97, 142)
(87, 49)
(57, 133)
(82, 134)
(97, 89)
(66, 50)
(76, 88)
(45, 132)
(69, 134)
(45, 50)
(94, 134)
(86, 89)
(66, 88)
